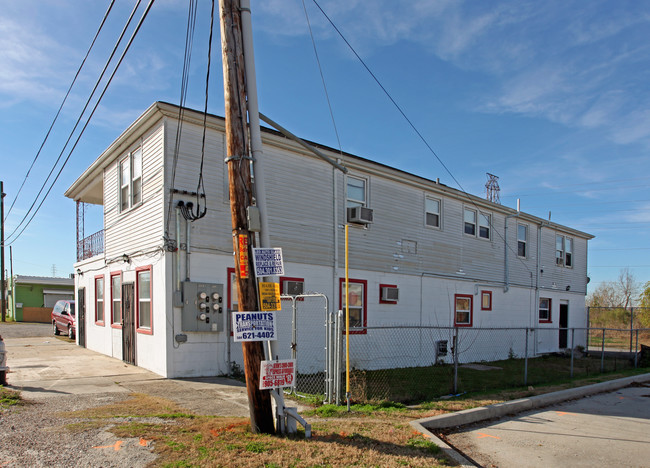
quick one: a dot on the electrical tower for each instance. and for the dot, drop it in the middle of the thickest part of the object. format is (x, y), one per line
(492, 188)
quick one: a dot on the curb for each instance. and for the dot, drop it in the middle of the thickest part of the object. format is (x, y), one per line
(508, 408)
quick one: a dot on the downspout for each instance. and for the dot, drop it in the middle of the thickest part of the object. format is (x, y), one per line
(506, 273)
(177, 279)
(335, 269)
(187, 249)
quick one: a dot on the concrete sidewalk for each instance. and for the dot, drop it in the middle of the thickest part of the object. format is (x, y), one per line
(454, 421)
(44, 367)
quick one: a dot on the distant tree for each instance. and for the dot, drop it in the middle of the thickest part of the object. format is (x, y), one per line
(620, 293)
(644, 301)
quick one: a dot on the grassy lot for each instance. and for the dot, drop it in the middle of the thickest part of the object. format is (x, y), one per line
(370, 435)
(9, 398)
(420, 384)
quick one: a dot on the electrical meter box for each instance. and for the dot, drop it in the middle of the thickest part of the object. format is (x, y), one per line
(203, 307)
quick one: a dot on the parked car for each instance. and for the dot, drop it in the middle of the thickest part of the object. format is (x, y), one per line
(63, 318)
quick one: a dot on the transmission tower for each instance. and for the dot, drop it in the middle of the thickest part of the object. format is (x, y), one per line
(492, 188)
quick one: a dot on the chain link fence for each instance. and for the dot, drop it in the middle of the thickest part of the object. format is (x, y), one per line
(624, 321)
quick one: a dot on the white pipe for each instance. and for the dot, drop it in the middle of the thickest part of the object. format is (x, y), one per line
(258, 159)
(187, 250)
(177, 280)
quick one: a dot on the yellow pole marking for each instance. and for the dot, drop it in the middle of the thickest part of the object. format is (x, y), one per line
(483, 436)
(115, 446)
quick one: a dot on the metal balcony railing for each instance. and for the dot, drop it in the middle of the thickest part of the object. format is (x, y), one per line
(90, 246)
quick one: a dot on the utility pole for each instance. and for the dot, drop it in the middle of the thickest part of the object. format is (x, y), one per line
(240, 190)
(3, 301)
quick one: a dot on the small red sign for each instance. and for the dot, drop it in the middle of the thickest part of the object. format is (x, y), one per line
(243, 256)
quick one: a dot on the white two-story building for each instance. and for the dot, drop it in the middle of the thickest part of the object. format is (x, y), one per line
(432, 255)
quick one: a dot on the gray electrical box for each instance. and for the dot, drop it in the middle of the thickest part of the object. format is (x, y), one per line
(203, 307)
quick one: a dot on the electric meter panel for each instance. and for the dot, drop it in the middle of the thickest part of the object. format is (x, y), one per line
(203, 307)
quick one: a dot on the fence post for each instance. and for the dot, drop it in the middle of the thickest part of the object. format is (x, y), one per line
(636, 349)
(455, 361)
(602, 353)
(328, 357)
(526, 360)
(631, 326)
(337, 362)
(573, 334)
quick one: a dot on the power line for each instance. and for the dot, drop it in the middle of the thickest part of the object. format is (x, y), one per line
(417, 132)
(76, 124)
(65, 98)
(110, 79)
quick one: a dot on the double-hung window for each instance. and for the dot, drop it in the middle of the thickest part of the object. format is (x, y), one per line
(463, 310)
(143, 292)
(116, 300)
(356, 192)
(357, 291)
(99, 300)
(130, 180)
(469, 217)
(522, 240)
(432, 212)
(563, 251)
(544, 310)
(484, 225)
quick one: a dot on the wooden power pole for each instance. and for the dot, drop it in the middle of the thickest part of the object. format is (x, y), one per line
(239, 179)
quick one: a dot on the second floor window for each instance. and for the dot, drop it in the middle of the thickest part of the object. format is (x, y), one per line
(522, 240)
(484, 225)
(356, 192)
(470, 222)
(563, 251)
(130, 183)
(432, 212)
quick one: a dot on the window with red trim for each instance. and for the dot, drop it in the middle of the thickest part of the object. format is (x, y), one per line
(381, 294)
(99, 300)
(463, 310)
(486, 300)
(544, 310)
(116, 300)
(143, 286)
(357, 291)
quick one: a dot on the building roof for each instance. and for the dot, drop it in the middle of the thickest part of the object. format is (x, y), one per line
(89, 186)
(44, 280)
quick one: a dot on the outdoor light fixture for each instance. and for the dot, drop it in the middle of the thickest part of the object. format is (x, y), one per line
(126, 258)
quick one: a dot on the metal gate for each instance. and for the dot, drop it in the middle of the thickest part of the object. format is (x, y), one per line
(312, 344)
(128, 324)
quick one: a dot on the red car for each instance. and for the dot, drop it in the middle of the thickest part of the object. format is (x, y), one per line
(63, 318)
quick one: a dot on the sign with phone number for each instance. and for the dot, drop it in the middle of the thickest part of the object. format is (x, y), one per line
(277, 374)
(254, 326)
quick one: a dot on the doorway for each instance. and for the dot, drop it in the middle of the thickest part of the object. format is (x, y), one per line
(128, 324)
(81, 316)
(564, 324)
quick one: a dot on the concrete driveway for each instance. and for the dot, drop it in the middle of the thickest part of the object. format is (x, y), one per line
(45, 366)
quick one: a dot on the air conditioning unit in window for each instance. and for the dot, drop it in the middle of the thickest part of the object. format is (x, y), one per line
(389, 294)
(293, 288)
(359, 215)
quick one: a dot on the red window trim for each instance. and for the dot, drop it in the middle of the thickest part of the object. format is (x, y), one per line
(381, 301)
(365, 303)
(113, 324)
(144, 331)
(550, 310)
(100, 322)
(489, 293)
(471, 309)
(284, 279)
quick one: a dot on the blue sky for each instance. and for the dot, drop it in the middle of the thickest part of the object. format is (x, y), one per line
(553, 97)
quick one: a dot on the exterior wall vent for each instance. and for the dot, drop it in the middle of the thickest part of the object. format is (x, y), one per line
(360, 215)
(293, 288)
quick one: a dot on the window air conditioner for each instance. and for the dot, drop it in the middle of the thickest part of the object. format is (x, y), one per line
(389, 294)
(293, 288)
(360, 215)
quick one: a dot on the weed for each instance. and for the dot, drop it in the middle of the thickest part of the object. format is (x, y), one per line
(257, 447)
(9, 398)
(426, 445)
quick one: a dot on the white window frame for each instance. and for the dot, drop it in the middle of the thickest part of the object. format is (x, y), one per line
(523, 241)
(427, 211)
(353, 202)
(546, 308)
(564, 251)
(466, 223)
(484, 222)
(130, 191)
(568, 252)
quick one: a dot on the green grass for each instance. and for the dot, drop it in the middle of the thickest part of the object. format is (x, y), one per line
(9, 398)
(419, 384)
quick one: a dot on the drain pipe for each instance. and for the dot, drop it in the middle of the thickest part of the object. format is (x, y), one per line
(506, 278)
(187, 249)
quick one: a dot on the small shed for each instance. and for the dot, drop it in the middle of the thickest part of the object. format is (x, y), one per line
(31, 298)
